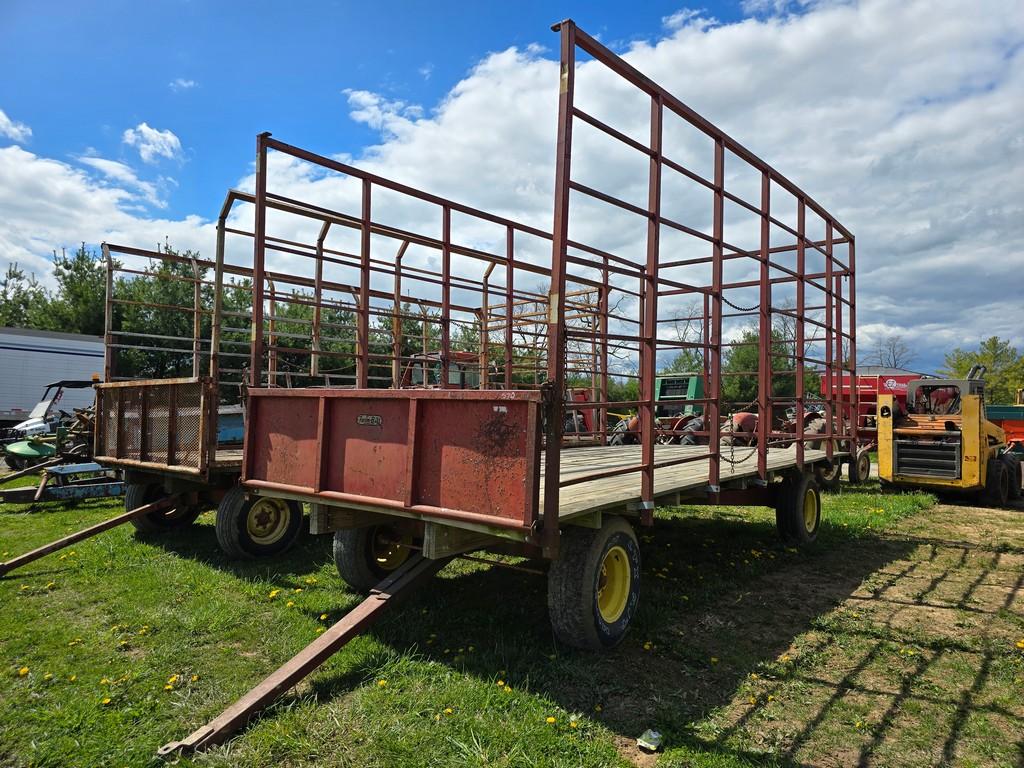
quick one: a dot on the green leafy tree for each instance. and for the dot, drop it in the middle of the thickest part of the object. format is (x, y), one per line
(744, 361)
(77, 306)
(1005, 366)
(23, 301)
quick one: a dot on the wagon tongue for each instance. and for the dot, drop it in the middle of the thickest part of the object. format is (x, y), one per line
(394, 588)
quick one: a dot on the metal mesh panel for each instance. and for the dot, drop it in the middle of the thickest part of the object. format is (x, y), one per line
(158, 400)
(189, 435)
(161, 423)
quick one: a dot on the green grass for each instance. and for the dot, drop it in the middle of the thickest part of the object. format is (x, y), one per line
(467, 672)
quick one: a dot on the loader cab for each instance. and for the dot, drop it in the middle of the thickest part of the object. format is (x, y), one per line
(941, 397)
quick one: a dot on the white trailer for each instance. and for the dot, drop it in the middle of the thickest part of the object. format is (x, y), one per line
(29, 360)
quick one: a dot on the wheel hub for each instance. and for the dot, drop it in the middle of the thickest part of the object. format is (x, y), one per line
(613, 584)
(388, 549)
(267, 520)
(810, 511)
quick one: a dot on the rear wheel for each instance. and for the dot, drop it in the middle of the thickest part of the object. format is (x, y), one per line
(365, 556)
(257, 526)
(798, 509)
(594, 585)
(859, 469)
(997, 483)
(1013, 469)
(140, 494)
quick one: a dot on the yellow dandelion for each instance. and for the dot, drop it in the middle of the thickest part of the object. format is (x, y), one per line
(289, 604)
(319, 630)
(449, 711)
(714, 659)
(572, 723)
(297, 590)
(144, 630)
(550, 720)
(47, 676)
(24, 587)
(648, 645)
(72, 678)
(168, 687)
(501, 683)
(23, 671)
(76, 641)
(195, 678)
(51, 584)
(105, 700)
(752, 700)
(1020, 643)
(753, 676)
(311, 580)
(382, 683)
(104, 681)
(785, 657)
(598, 708)
(770, 697)
(858, 724)
(323, 617)
(123, 644)
(274, 593)
(173, 679)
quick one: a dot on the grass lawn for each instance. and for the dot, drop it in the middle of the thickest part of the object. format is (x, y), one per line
(891, 641)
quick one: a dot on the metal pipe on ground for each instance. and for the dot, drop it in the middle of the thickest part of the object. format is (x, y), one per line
(86, 533)
(394, 587)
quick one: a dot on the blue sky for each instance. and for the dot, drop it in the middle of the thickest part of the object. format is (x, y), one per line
(80, 73)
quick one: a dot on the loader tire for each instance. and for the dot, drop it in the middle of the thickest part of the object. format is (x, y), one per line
(594, 585)
(139, 494)
(1013, 467)
(365, 556)
(258, 526)
(997, 484)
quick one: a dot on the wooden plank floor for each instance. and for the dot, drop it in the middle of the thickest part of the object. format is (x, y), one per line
(614, 492)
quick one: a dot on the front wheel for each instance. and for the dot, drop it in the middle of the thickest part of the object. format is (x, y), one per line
(257, 526)
(594, 585)
(139, 494)
(859, 470)
(798, 509)
(1013, 470)
(997, 483)
(366, 556)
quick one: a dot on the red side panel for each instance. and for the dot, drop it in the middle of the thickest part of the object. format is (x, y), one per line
(447, 453)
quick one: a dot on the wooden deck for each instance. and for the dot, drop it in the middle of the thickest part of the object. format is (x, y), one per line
(615, 492)
(227, 459)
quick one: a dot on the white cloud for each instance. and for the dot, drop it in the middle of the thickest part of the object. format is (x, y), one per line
(426, 71)
(152, 143)
(181, 84)
(14, 130)
(125, 175)
(901, 118)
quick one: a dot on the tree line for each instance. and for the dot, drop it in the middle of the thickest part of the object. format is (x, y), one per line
(76, 302)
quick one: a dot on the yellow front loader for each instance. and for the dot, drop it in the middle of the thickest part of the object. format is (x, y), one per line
(945, 444)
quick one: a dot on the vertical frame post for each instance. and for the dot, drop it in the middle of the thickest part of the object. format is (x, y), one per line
(649, 342)
(446, 294)
(108, 319)
(764, 368)
(832, 395)
(318, 298)
(798, 345)
(555, 384)
(259, 248)
(715, 342)
(363, 319)
(510, 247)
(850, 363)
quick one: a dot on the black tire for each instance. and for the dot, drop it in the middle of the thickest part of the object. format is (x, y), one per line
(617, 439)
(582, 613)
(365, 556)
(997, 483)
(258, 526)
(1013, 467)
(859, 468)
(140, 494)
(798, 517)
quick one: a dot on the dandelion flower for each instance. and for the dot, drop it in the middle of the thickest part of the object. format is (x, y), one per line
(550, 720)
(598, 708)
(382, 683)
(319, 630)
(274, 593)
(168, 687)
(51, 584)
(289, 604)
(508, 689)
(72, 678)
(1020, 643)
(752, 700)
(105, 700)
(104, 681)
(47, 676)
(297, 590)
(195, 678)
(449, 711)
(323, 617)
(23, 671)
(311, 580)
(572, 723)
(648, 645)
(173, 679)
(714, 659)
(501, 683)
